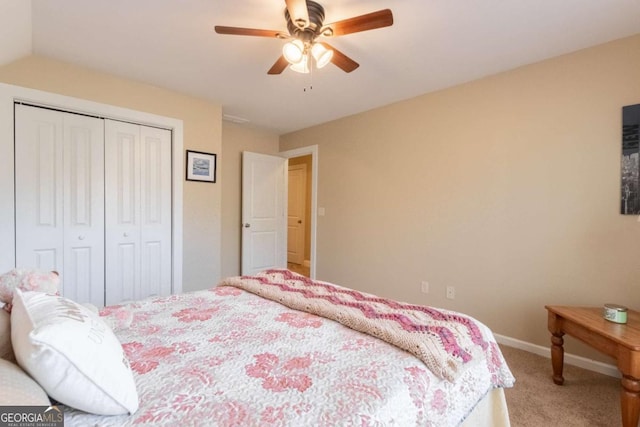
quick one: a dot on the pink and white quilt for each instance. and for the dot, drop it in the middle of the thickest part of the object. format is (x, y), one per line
(227, 357)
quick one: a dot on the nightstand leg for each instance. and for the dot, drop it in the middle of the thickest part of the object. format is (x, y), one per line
(630, 401)
(557, 357)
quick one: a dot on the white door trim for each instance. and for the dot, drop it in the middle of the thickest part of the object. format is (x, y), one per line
(10, 94)
(313, 151)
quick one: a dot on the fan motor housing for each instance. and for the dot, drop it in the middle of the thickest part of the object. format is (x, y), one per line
(312, 30)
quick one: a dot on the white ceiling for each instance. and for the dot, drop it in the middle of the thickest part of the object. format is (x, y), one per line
(433, 44)
(15, 30)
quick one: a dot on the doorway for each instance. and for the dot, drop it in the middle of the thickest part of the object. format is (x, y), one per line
(303, 259)
(299, 215)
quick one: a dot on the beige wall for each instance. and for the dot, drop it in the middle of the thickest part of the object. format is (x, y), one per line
(202, 132)
(506, 188)
(235, 140)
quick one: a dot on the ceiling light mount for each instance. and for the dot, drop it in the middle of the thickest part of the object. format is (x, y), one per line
(309, 30)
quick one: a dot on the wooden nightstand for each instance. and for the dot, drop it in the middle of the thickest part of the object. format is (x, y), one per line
(620, 341)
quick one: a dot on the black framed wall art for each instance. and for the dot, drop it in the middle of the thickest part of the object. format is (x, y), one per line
(201, 166)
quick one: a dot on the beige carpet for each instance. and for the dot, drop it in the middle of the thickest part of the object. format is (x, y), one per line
(586, 398)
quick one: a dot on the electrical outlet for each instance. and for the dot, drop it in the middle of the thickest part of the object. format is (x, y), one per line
(425, 287)
(451, 292)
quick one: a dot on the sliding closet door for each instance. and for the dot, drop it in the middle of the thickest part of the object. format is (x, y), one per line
(59, 161)
(138, 211)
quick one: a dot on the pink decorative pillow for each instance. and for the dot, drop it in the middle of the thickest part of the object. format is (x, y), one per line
(118, 317)
(27, 279)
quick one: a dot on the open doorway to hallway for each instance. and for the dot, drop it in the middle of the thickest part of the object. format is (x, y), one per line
(299, 214)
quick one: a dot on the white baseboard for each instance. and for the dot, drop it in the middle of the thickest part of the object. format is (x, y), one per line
(569, 359)
(306, 263)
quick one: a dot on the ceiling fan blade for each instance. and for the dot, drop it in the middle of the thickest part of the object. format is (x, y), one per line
(279, 66)
(369, 21)
(298, 12)
(341, 60)
(237, 31)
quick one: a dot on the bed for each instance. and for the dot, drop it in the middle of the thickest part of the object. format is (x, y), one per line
(255, 351)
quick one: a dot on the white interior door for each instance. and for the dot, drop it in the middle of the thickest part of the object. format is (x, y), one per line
(60, 198)
(297, 193)
(264, 223)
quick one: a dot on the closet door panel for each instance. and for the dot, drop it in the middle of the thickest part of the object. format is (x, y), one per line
(155, 168)
(78, 281)
(84, 209)
(122, 211)
(124, 285)
(39, 188)
(60, 198)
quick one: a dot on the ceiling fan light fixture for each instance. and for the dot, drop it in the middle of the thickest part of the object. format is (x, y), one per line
(305, 23)
(302, 66)
(321, 54)
(293, 51)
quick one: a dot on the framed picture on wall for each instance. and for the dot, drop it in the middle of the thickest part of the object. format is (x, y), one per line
(630, 185)
(201, 166)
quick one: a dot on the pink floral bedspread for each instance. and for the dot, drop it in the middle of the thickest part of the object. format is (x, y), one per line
(226, 357)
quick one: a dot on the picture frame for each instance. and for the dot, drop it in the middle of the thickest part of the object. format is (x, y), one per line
(201, 166)
(630, 167)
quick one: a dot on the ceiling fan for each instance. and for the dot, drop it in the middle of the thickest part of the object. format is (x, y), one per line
(305, 23)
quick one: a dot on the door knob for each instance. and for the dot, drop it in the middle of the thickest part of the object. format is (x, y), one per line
(299, 221)
(247, 225)
(125, 234)
(81, 237)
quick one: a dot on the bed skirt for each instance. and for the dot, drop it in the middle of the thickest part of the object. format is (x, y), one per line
(491, 411)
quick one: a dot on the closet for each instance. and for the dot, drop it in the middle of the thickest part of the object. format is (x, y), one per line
(93, 202)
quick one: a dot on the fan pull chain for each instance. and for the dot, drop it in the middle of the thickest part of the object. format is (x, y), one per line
(310, 79)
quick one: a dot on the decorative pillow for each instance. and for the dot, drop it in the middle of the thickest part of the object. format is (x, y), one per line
(6, 350)
(27, 280)
(72, 354)
(18, 388)
(118, 317)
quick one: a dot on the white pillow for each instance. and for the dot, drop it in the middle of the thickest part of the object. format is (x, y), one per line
(19, 389)
(72, 354)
